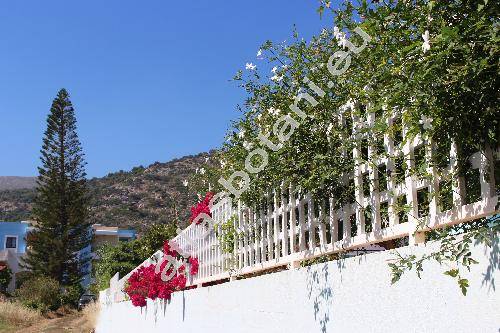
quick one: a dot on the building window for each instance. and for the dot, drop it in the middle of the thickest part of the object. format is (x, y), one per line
(11, 242)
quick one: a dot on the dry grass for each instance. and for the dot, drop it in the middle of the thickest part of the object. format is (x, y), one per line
(18, 315)
(90, 315)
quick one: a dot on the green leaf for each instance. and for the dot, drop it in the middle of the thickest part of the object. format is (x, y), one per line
(452, 273)
(464, 284)
(472, 261)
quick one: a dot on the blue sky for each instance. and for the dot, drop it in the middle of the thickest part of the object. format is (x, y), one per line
(149, 79)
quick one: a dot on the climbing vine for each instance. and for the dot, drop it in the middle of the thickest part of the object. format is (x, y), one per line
(430, 71)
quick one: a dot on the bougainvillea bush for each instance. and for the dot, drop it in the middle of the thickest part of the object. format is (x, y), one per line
(202, 207)
(146, 282)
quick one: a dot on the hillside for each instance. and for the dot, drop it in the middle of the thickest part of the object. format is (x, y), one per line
(16, 183)
(142, 196)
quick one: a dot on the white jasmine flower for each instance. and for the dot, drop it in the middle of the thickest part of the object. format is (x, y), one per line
(250, 66)
(274, 70)
(206, 159)
(222, 163)
(185, 183)
(247, 145)
(197, 170)
(342, 40)
(426, 46)
(277, 78)
(336, 32)
(340, 37)
(273, 111)
(241, 134)
(202, 171)
(426, 122)
(285, 67)
(259, 54)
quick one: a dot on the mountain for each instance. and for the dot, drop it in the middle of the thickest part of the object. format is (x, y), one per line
(136, 198)
(16, 183)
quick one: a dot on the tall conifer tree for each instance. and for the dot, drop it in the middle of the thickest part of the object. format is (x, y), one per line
(60, 209)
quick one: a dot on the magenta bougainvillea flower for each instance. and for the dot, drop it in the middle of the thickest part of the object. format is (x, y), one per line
(145, 283)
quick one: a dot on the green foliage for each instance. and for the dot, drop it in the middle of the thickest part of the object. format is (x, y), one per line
(71, 295)
(454, 85)
(5, 278)
(227, 235)
(22, 277)
(40, 293)
(121, 258)
(125, 257)
(154, 238)
(444, 90)
(61, 205)
(454, 251)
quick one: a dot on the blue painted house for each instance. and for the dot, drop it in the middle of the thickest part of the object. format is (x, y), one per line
(12, 236)
(13, 245)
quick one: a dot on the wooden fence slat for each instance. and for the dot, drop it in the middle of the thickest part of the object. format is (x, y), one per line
(270, 246)
(293, 220)
(321, 226)
(284, 223)
(311, 222)
(276, 228)
(263, 233)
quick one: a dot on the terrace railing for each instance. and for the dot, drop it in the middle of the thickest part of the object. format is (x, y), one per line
(290, 226)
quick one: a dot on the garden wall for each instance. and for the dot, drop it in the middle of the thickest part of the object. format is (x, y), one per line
(351, 295)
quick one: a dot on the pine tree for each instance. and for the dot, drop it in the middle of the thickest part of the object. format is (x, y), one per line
(61, 205)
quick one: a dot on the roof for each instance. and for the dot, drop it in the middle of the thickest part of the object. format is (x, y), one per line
(102, 230)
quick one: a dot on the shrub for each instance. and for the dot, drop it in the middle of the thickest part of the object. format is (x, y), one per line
(5, 278)
(70, 295)
(125, 257)
(16, 314)
(40, 293)
(22, 277)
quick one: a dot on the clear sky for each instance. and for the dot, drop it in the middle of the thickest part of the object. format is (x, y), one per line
(149, 79)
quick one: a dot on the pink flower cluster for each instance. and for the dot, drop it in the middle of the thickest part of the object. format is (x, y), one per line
(146, 283)
(201, 207)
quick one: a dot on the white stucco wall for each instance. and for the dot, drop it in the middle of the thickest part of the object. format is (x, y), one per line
(353, 295)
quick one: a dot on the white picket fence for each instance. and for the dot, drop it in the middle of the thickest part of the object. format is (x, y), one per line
(290, 227)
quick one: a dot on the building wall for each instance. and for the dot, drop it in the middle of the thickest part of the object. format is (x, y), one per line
(104, 239)
(14, 229)
(352, 295)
